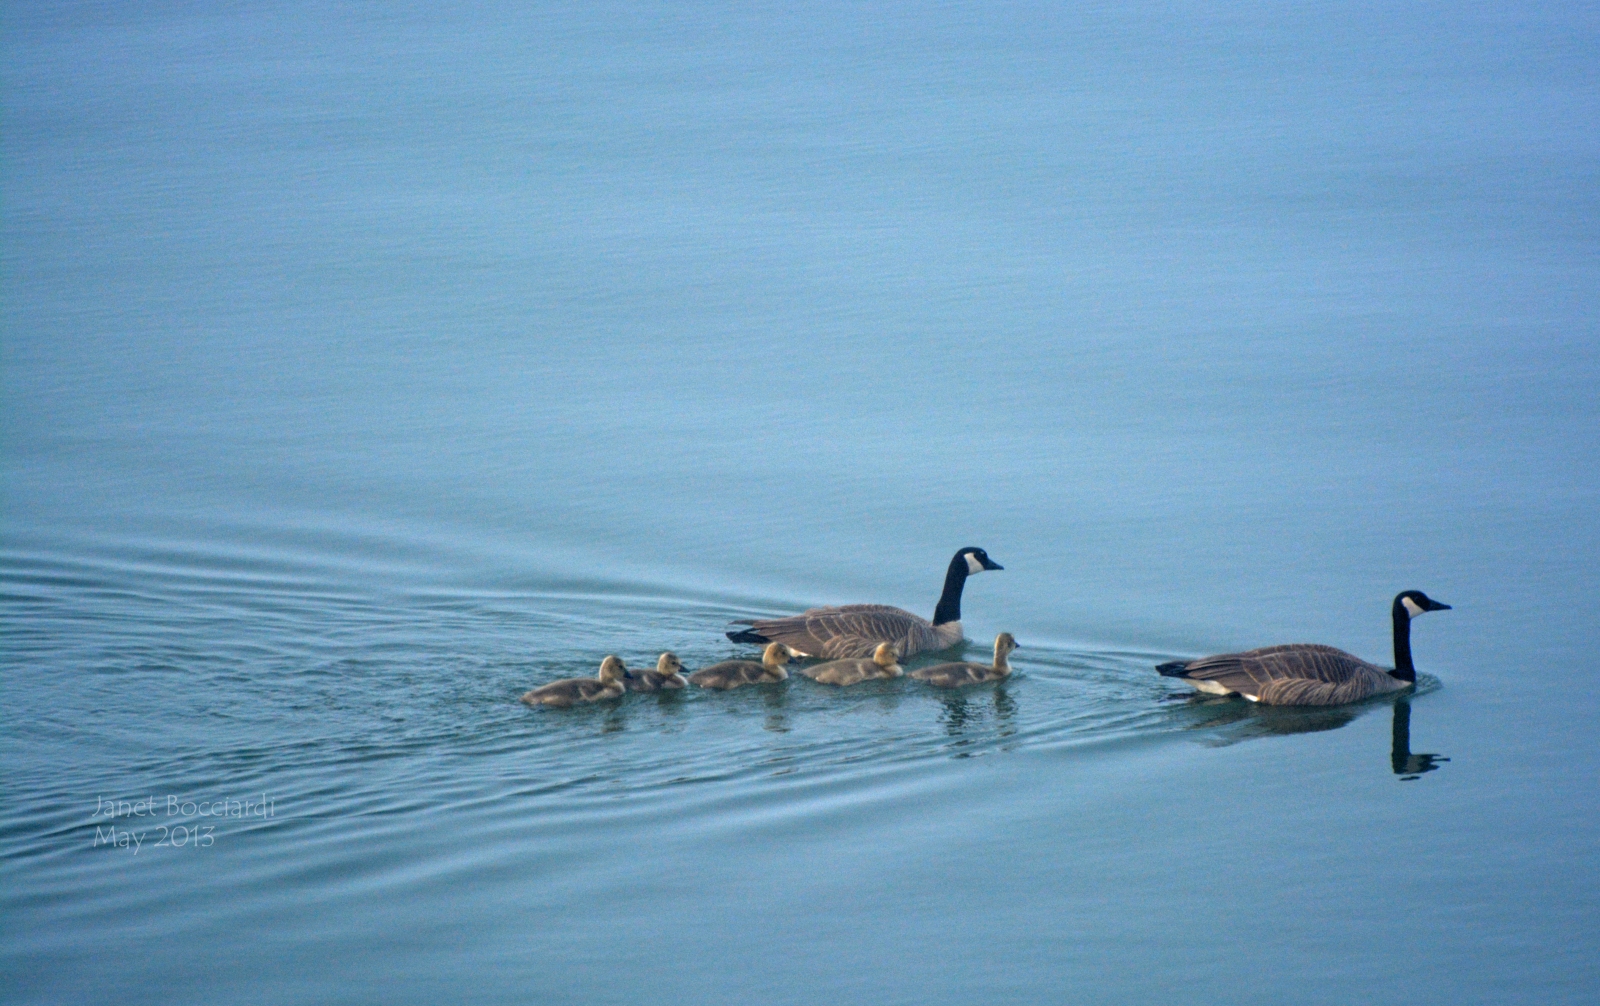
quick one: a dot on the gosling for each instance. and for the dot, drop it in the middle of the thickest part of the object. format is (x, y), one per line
(668, 674)
(561, 694)
(958, 675)
(732, 674)
(884, 664)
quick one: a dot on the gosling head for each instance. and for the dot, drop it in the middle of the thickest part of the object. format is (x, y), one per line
(1415, 602)
(977, 560)
(775, 655)
(668, 664)
(885, 655)
(612, 669)
(1003, 645)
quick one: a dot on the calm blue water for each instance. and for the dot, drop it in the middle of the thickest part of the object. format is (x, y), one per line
(362, 371)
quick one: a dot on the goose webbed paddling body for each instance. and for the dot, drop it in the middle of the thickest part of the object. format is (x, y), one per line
(609, 684)
(1307, 674)
(731, 674)
(668, 674)
(855, 630)
(962, 673)
(856, 670)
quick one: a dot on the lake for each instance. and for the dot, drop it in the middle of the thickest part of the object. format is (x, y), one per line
(364, 369)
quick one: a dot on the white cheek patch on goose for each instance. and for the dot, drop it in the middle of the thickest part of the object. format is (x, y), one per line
(1411, 606)
(973, 565)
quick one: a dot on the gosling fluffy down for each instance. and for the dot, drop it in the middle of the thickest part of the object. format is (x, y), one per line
(667, 675)
(608, 685)
(737, 673)
(961, 673)
(884, 664)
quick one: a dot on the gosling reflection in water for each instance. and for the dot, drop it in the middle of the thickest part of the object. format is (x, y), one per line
(956, 714)
(776, 701)
(963, 718)
(1005, 712)
(1409, 767)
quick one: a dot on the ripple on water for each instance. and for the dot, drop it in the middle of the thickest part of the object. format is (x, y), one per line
(161, 669)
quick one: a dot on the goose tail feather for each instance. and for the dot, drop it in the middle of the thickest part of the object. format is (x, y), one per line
(745, 635)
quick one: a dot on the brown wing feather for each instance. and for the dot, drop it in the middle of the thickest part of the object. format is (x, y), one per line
(852, 630)
(1297, 674)
(1306, 692)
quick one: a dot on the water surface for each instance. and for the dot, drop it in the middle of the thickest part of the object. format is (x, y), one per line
(362, 371)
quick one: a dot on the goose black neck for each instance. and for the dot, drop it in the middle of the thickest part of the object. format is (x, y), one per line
(1403, 668)
(949, 609)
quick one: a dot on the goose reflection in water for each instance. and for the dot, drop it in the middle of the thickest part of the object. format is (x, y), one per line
(1247, 720)
(1408, 766)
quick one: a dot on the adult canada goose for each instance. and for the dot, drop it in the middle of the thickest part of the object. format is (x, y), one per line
(668, 674)
(1305, 674)
(855, 630)
(734, 673)
(609, 685)
(962, 673)
(854, 671)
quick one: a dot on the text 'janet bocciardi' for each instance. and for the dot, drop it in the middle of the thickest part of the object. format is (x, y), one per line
(171, 822)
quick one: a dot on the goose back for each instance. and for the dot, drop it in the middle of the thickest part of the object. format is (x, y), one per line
(1295, 674)
(855, 630)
